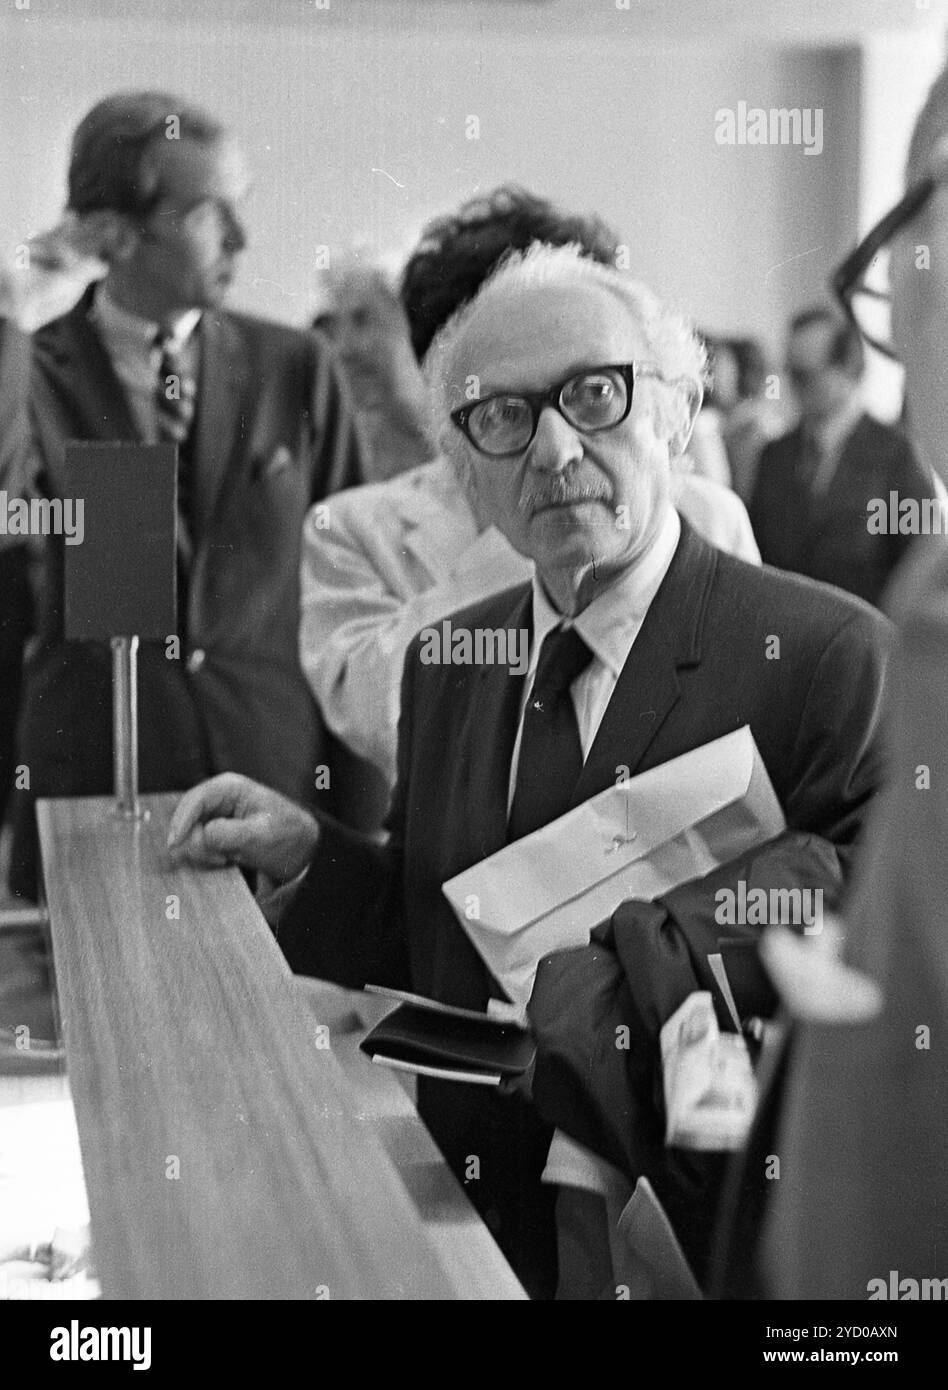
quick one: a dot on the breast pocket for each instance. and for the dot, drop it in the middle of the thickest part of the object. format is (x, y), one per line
(258, 541)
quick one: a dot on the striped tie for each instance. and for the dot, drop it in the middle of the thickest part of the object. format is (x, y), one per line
(175, 404)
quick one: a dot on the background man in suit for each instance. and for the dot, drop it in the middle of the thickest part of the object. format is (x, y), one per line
(263, 431)
(645, 642)
(810, 505)
(861, 1208)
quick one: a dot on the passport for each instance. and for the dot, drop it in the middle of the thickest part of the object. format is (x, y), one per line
(429, 1038)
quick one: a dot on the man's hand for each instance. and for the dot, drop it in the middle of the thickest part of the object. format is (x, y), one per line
(60, 265)
(231, 820)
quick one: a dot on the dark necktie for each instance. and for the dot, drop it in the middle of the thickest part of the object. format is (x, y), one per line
(175, 403)
(810, 463)
(551, 755)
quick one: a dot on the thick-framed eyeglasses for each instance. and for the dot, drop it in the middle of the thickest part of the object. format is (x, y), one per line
(861, 283)
(505, 423)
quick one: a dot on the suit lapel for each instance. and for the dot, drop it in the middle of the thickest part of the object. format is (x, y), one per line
(82, 369)
(488, 736)
(647, 691)
(648, 687)
(223, 374)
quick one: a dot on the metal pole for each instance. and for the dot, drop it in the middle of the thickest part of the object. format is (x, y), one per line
(125, 727)
(16, 918)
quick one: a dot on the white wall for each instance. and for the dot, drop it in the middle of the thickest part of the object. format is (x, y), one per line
(358, 131)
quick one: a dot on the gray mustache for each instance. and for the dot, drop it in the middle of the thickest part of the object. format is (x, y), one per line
(561, 494)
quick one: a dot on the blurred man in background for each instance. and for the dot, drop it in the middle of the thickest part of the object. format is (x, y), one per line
(811, 505)
(366, 324)
(752, 418)
(131, 342)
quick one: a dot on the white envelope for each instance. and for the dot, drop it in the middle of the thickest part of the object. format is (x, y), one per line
(639, 839)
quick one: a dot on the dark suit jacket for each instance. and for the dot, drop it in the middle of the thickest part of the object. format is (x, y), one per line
(273, 434)
(827, 538)
(698, 670)
(16, 598)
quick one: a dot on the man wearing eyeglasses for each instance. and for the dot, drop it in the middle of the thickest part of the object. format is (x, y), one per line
(563, 392)
(130, 341)
(819, 488)
(861, 1208)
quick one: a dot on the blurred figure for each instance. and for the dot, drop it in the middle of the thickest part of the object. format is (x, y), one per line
(131, 342)
(706, 450)
(16, 624)
(366, 324)
(861, 1208)
(751, 420)
(407, 552)
(478, 235)
(16, 599)
(816, 486)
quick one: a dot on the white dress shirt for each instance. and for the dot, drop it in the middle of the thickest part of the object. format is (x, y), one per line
(130, 342)
(609, 627)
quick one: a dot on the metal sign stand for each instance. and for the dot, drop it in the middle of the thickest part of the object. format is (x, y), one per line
(125, 728)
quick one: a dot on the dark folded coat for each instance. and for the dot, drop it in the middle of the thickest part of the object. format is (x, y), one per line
(639, 967)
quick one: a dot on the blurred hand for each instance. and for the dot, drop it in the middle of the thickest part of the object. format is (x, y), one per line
(59, 266)
(232, 820)
(812, 981)
(68, 1253)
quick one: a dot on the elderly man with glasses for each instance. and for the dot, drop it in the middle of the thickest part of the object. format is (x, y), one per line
(563, 393)
(403, 554)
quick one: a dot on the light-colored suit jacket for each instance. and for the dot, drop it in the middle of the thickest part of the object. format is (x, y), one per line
(381, 562)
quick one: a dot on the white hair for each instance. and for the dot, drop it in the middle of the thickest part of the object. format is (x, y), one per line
(673, 346)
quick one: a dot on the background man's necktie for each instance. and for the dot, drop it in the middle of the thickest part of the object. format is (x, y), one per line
(551, 755)
(811, 463)
(175, 404)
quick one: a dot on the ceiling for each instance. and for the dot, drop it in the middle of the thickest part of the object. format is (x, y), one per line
(653, 21)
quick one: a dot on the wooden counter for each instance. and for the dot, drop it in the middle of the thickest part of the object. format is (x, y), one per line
(228, 1154)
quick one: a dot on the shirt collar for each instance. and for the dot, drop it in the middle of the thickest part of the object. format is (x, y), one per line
(610, 624)
(128, 330)
(831, 435)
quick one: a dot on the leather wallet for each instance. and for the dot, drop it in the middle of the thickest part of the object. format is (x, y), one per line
(455, 1044)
